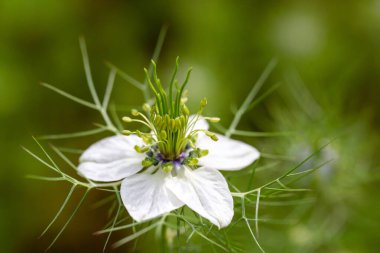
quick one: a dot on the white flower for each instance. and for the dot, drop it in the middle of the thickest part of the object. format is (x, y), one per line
(175, 164)
(153, 191)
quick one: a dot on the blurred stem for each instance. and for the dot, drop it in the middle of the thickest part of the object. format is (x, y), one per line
(178, 235)
(252, 94)
(70, 218)
(107, 120)
(156, 55)
(163, 239)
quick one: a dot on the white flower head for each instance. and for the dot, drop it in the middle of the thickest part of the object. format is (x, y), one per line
(177, 163)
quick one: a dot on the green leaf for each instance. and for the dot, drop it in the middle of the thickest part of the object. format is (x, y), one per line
(71, 97)
(72, 135)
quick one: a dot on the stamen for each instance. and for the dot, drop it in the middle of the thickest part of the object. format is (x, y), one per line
(141, 149)
(149, 161)
(167, 167)
(127, 119)
(171, 142)
(147, 108)
(185, 110)
(191, 161)
(135, 112)
(212, 119)
(211, 135)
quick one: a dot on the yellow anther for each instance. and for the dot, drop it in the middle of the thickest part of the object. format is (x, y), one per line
(127, 119)
(172, 125)
(157, 120)
(203, 152)
(184, 100)
(178, 123)
(127, 132)
(211, 135)
(213, 119)
(203, 102)
(184, 120)
(192, 145)
(135, 112)
(147, 139)
(191, 161)
(185, 110)
(139, 134)
(167, 167)
(146, 107)
(141, 149)
(167, 120)
(163, 135)
(147, 162)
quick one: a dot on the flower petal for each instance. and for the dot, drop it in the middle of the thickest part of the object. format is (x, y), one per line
(206, 192)
(226, 154)
(111, 159)
(146, 195)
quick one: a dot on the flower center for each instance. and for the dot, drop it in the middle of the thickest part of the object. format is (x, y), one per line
(171, 135)
(188, 157)
(171, 141)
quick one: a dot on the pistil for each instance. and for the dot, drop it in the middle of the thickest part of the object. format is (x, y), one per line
(171, 141)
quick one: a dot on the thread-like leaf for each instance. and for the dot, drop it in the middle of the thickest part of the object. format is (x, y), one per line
(71, 97)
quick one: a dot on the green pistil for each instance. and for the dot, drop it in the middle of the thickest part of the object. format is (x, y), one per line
(169, 115)
(168, 120)
(167, 105)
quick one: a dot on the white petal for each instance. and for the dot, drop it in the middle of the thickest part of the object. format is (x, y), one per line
(146, 195)
(226, 154)
(111, 159)
(206, 192)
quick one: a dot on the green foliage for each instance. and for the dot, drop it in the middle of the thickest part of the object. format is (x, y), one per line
(324, 87)
(186, 224)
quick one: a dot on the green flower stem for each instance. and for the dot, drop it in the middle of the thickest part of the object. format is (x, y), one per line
(252, 94)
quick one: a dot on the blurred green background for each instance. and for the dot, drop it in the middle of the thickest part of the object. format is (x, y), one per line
(329, 74)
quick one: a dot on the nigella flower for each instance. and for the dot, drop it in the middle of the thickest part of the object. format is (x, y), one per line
(177, 163)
